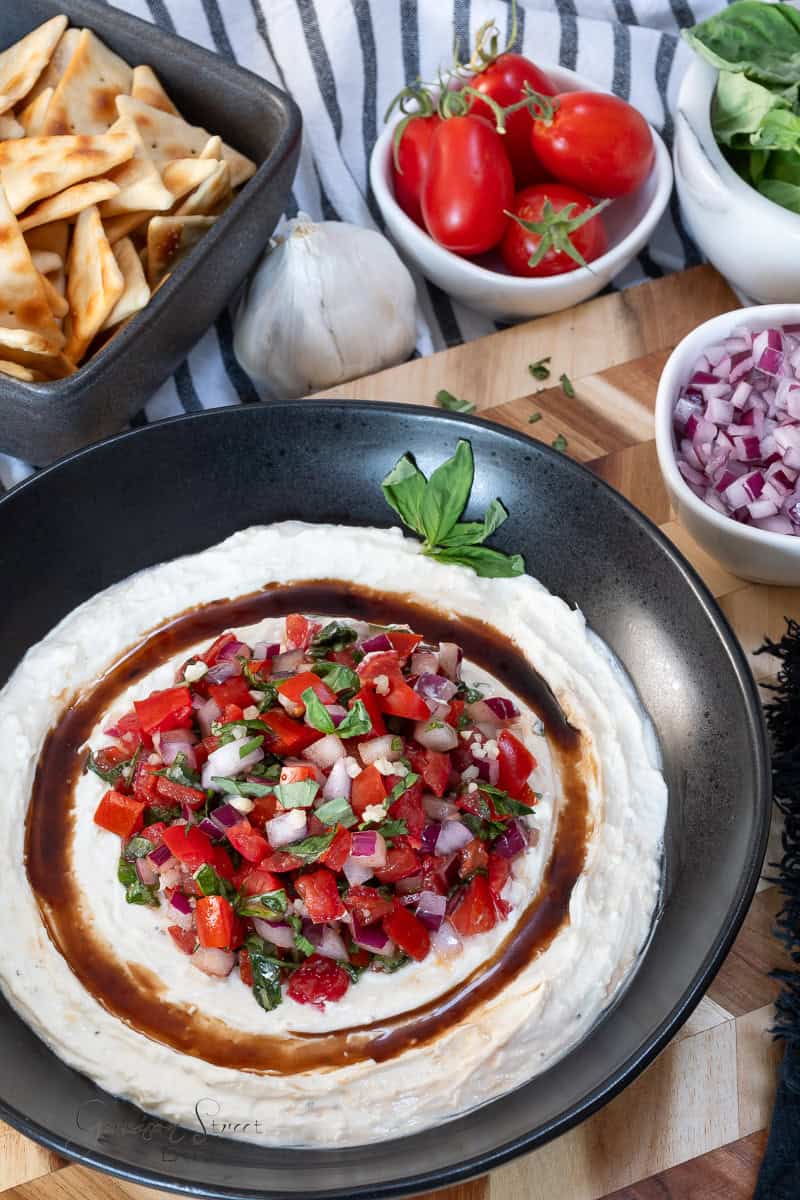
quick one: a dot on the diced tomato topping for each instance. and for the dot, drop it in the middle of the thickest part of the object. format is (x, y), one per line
(296, 772)
(319, 893)
(264, 809)
(368, 788)
(279, 862)
(287, 737)
(209, 744)
(360, 958)
(294, 687)
(527, 795)
(144, 782)
(408, 932)
(404, 643)
(343, 657)
(377, 663)
(215, 922)
(403, 701)
(184, 939)
(154, 833)
(232, 691)
(401, 862)
(433, 766)
(177, 793)
(110, 756)
(298, 633)
(367, 904)
(472, 857)
(339, 850)
(475, 911)
(261, 666)
(455, 713)
(213, 652)
(370, 701)
(516, 763)
(499, 872)
(231, 713)
(190, 845)
(245, 968)
(248, 841)
(436, 873)
(128, 727)
(319, 981)
(120, 814)
(409, 808)
(254, 881)
(170, 709)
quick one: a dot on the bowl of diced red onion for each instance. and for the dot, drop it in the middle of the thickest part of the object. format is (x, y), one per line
(728, 439)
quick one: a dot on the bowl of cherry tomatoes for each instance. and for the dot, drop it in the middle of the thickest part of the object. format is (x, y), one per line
(525, 192)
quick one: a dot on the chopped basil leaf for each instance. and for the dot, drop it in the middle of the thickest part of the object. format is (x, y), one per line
(487, 831)
(503, 804)
(303, 945)
(250, 746)
(356, 723)
(137, 893)
(266, 770)
(317, 714)
(179, 772)
(470, 695)
(559, 442)
(126, 872)
(266, 973)
(390, 965)
(333, 636)
(336, 812)
(139, 847)
(253, 723)
(566, 385)
(351, 969)
(301, 794)
(540, 369)
(464, 722)
(161, 812)
(266, 905)
(451, 403)
(311, 847)
(397, 744)
(392, 828)
(400, 787)
(338, 678)
(534, 417)
(211, 882)
(107, 774)
(235, 787)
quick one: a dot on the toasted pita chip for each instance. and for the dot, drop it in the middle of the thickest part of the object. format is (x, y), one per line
(54, 236)
(17, 372)
(68, 203)
(128, 223)
(209, 196)
(136, 292)
(46, 261)
(58, 305)
(168, 137)
(212, 148)
(138, 179)
(59, 61)
(10, 127)
(169, 239)
(34, 351)
(84, 101)
(147, 87)
(23, 303)
(34, 168)
(31, 118)
(94, 282)
(22, 64)
(185, 175)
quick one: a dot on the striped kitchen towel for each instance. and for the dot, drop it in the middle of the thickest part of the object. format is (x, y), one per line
(344, 60)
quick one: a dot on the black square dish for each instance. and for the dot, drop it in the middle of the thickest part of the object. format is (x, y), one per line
(40, 421)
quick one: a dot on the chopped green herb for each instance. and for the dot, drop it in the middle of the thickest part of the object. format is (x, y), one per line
(451, 403)
(138, 847)
(107, 774)
(317, 714)
(311, 847)
(559, 442)
(211, 883)
(237, 787)
(534, 417)
(503, 804)
(265, 905)
(234, 727)
(135, 891)
(266, 973)
(179, 772)
(540, 369)
(301, 794)
(400, 787)
(392, 829)
(355, 724)
(333, 636)
(161, 812)
(336, 812)
(470, 695)
(353, 971)
(303, 945)
(337, 677)
(390, 965)
(250, 746)
(566, 386)
(397, 744)
(126, 872)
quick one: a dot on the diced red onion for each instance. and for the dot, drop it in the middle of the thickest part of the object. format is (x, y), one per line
(424, 662)
(356, 872)
(430, 835)
(409, 885)
(446, 941)
(512, 842)
(225, 817)
(219, 963)
(435, 688)
(208, 712)
(327, 941)
(226, 761)
(481, 712)
(222, 671)
(431, 908)
(368, 847)
(288, 661)
(280, 934)
(181, 905)
(488, 769)
(171, 750)
(450, 656)
(438, 810)
(336, 712)
(380, 747)
(287, 827)
(234, 650)
(146, 871)
(160, 856)
(502, 707)
(452, 836)
(327, 751)
(372, 937)
(338, 782)
(441, 738)
(380, 641)
(208, 827)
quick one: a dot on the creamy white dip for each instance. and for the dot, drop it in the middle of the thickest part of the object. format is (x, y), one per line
(538, 1015)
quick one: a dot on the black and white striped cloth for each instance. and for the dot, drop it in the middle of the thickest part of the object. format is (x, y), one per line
(344, 60)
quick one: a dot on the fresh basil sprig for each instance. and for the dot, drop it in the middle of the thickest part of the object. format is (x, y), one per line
(432, 507)
(355, 724)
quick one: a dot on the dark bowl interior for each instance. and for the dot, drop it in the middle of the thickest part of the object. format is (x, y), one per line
(41, 421)
(120, 506)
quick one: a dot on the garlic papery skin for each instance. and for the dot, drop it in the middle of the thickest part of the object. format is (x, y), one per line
(328, 303)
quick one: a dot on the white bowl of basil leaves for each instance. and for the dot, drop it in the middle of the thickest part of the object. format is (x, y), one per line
(737, 147)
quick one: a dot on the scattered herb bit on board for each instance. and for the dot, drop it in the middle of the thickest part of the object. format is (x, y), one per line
(566, 386)
(540, 369)
(534, 417)
(452, 403)
(559, 442)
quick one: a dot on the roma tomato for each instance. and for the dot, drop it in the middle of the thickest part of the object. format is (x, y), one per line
(468, 186)
(596, 142)
(504, 81)
(410, 164)
(554, 226)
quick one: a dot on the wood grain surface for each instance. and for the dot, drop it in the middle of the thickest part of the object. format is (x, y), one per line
(691, 1127)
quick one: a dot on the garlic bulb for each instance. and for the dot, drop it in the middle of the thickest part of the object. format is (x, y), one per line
(328, 303)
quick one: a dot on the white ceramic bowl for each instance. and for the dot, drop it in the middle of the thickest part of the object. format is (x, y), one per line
(629, 222)
(752, 241)
(751, 553)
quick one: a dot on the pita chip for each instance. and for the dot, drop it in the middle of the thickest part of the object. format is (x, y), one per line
(209, 196)
(147, 87)
(138, 181)
(136, 293)
(94, 282)
(68, 203)
(169, 239)
(58, 305)
(34, 351)
(59, 61)
(168, 137)
(23, 303)
(17, 372)
(123, 226)
(212, 148)
(10, 127)
(31, 118)
(185, 175)
(46, 261)
(23, 63)
(84, 101)
(32, 169)
(54, 236)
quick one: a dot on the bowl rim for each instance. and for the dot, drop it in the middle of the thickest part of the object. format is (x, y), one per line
(729, 926)
(762, 316)
(661, 171)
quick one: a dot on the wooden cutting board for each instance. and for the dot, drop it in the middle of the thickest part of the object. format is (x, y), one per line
(693, 1123)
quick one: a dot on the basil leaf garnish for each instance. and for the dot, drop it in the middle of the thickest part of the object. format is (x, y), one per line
(336, 812)
(317, 714)
(265, 905)
(356, 723)
(266, 973)
(301, 794)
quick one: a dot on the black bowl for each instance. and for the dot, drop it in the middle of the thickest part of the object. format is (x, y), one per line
(40, 421)
(182, 485)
